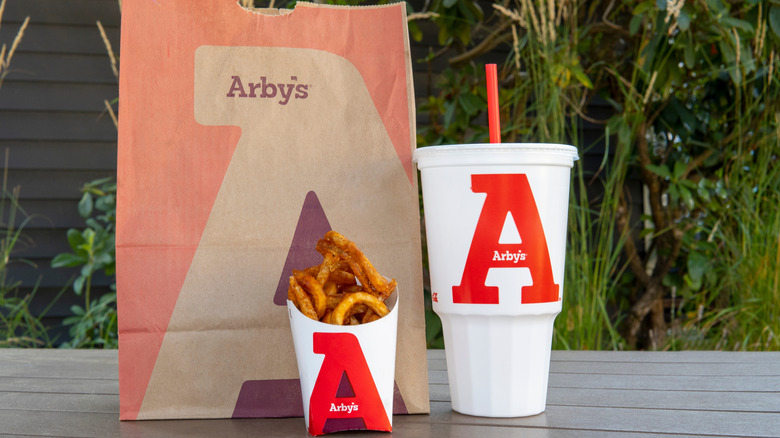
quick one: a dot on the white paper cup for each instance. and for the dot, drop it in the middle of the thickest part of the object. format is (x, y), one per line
(347, 372)
(495, 218)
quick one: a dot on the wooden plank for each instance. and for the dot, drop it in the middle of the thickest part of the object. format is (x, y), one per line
(59, 38)
(71, 411)
(469, 430)
(52, 184)
(705, 357)
(737, 397)
(59, 302)
(663, 383)
(60, 68)
(59, 385)
(660, 421)
(42, 273)
(60, 424)
(60, 155)
(35, 423)
(53, 96)
(58, 402)
(41, 243)
(73, 12)
(55, 363)
(711, 368)
(59, 126)
(734, 401)
(48, 214)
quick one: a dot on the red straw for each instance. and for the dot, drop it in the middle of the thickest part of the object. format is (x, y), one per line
(494, 120)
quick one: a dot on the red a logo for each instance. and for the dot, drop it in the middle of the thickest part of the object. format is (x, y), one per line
(344, 388)
(506, 193)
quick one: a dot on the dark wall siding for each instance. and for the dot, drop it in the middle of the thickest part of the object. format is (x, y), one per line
(56, 134)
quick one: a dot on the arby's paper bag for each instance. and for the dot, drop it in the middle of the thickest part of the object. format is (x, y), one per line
(244, 136)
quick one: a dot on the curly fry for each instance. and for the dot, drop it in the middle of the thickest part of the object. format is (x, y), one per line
(313, 288)
(341, 277)
(330, 288)
(327, 266)
(344, 289)
(377, 281)
(304, 304)
(369, 316)
(374, 303)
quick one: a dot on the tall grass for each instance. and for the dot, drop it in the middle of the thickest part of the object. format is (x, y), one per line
(19, 327)
(740, 309)
(593, 266)
(545, 105)
(7, 52)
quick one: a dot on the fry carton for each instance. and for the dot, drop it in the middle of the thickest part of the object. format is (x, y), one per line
(346, 372)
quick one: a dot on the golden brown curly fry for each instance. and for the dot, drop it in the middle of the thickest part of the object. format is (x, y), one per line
(344, 289)
(371, 301)
(301, 299)
(314, 289)
(366, 268)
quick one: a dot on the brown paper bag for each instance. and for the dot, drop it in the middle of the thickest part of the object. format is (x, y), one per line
(243, 138)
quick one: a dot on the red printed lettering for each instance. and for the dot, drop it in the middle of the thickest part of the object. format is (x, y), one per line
(268, 90)
(506, 193)
(344, 357)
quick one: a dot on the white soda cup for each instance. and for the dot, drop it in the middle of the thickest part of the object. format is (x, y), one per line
(495, 218)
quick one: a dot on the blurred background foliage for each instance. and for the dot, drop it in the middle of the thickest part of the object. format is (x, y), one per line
(693, 118)
(674, 231)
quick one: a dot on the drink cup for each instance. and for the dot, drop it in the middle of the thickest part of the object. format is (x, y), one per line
(347, 372)
(495, 218)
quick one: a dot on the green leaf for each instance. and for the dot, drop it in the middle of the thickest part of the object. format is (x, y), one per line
(684, 21)
(85, 205)
(95, 225)
(662, 170)
(674, 194)
(679, 169)
(624, 133)
(97, 183)
(643, 7)
(581, 77)
(106, 202)
(697, 266)
(470, 103)
(449, 112)
(78, 285)
(103, 259)
(67, 260)
(433, 330)
(774, 20)
(689, 55)
(633, 25)
(716, 5)
(736, 22)
(75, 238)
(88, 269)
(686, 196)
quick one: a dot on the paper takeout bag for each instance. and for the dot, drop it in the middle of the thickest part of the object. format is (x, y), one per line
(243, 138)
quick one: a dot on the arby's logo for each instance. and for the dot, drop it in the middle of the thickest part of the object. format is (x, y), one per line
(344, 388)
(508, 195)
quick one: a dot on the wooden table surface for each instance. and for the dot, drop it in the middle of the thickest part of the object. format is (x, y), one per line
(75, 393)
